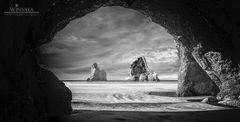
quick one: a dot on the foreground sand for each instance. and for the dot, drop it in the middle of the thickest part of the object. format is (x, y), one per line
(119, 116)
(141, 102)
(134, 96)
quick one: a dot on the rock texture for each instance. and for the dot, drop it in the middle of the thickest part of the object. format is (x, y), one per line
(232, 103)
(209, 29)
(220, 71)
(139, 71)
(193, 80)
(97, 74)
(210, 100)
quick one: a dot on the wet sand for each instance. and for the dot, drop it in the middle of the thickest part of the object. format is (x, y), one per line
(141, 102)
(134, 96)
(121, 116)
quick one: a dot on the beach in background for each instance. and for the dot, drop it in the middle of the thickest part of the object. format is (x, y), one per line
(133, 96)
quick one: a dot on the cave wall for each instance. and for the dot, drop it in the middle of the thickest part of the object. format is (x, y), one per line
(192, 79)
(26, 89)
(208, 29)
(205, 40)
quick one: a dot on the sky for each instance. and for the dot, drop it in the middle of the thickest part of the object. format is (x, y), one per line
(113, 37)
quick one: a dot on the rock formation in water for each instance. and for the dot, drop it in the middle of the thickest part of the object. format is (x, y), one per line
(140, 71)
(97, 74)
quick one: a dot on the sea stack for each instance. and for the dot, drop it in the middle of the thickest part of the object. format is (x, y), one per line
(139, 71)
(97, 74)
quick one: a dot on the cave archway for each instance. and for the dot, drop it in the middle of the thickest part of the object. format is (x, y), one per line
(188, 29)
(113, 37)
(195, 25)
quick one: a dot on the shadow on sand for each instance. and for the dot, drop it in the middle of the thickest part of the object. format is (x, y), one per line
(163, 93)
(120, 116)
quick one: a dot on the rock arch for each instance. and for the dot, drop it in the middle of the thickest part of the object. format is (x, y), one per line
(183, 20)
(196, 25)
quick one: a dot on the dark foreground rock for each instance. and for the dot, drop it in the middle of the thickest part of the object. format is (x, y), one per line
(97, 74)
(139, 71)
(57, 96)
(222, 72)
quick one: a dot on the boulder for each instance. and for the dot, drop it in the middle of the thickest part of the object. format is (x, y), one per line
(57, 96)
(193, 80)
(140, 71)
(97, 74)
(210, 99)
(232, 103)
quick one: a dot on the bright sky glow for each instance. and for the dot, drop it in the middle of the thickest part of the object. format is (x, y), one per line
(113, 37)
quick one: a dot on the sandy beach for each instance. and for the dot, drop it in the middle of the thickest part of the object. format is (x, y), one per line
(134, 96)
(141, 102)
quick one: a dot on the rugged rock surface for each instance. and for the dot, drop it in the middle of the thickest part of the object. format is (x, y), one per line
(222, 73)
(232, 103)
(97, 74)
(140, 71)
(193, 80)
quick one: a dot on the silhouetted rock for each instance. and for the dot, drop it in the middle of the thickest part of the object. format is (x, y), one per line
(141, 72)
(97, 74)
(57, 96)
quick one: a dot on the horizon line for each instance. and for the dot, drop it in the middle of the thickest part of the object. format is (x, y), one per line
(109, 80)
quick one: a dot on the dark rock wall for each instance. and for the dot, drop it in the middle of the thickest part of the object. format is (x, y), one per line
(205, 27)
(193, 27)
(24, 92)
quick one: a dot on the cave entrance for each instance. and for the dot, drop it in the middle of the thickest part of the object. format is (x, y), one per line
(182, 25)
(113, 37)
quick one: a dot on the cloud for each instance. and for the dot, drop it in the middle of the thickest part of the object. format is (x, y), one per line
(113, 37)
(73, 38)
(81, 70)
